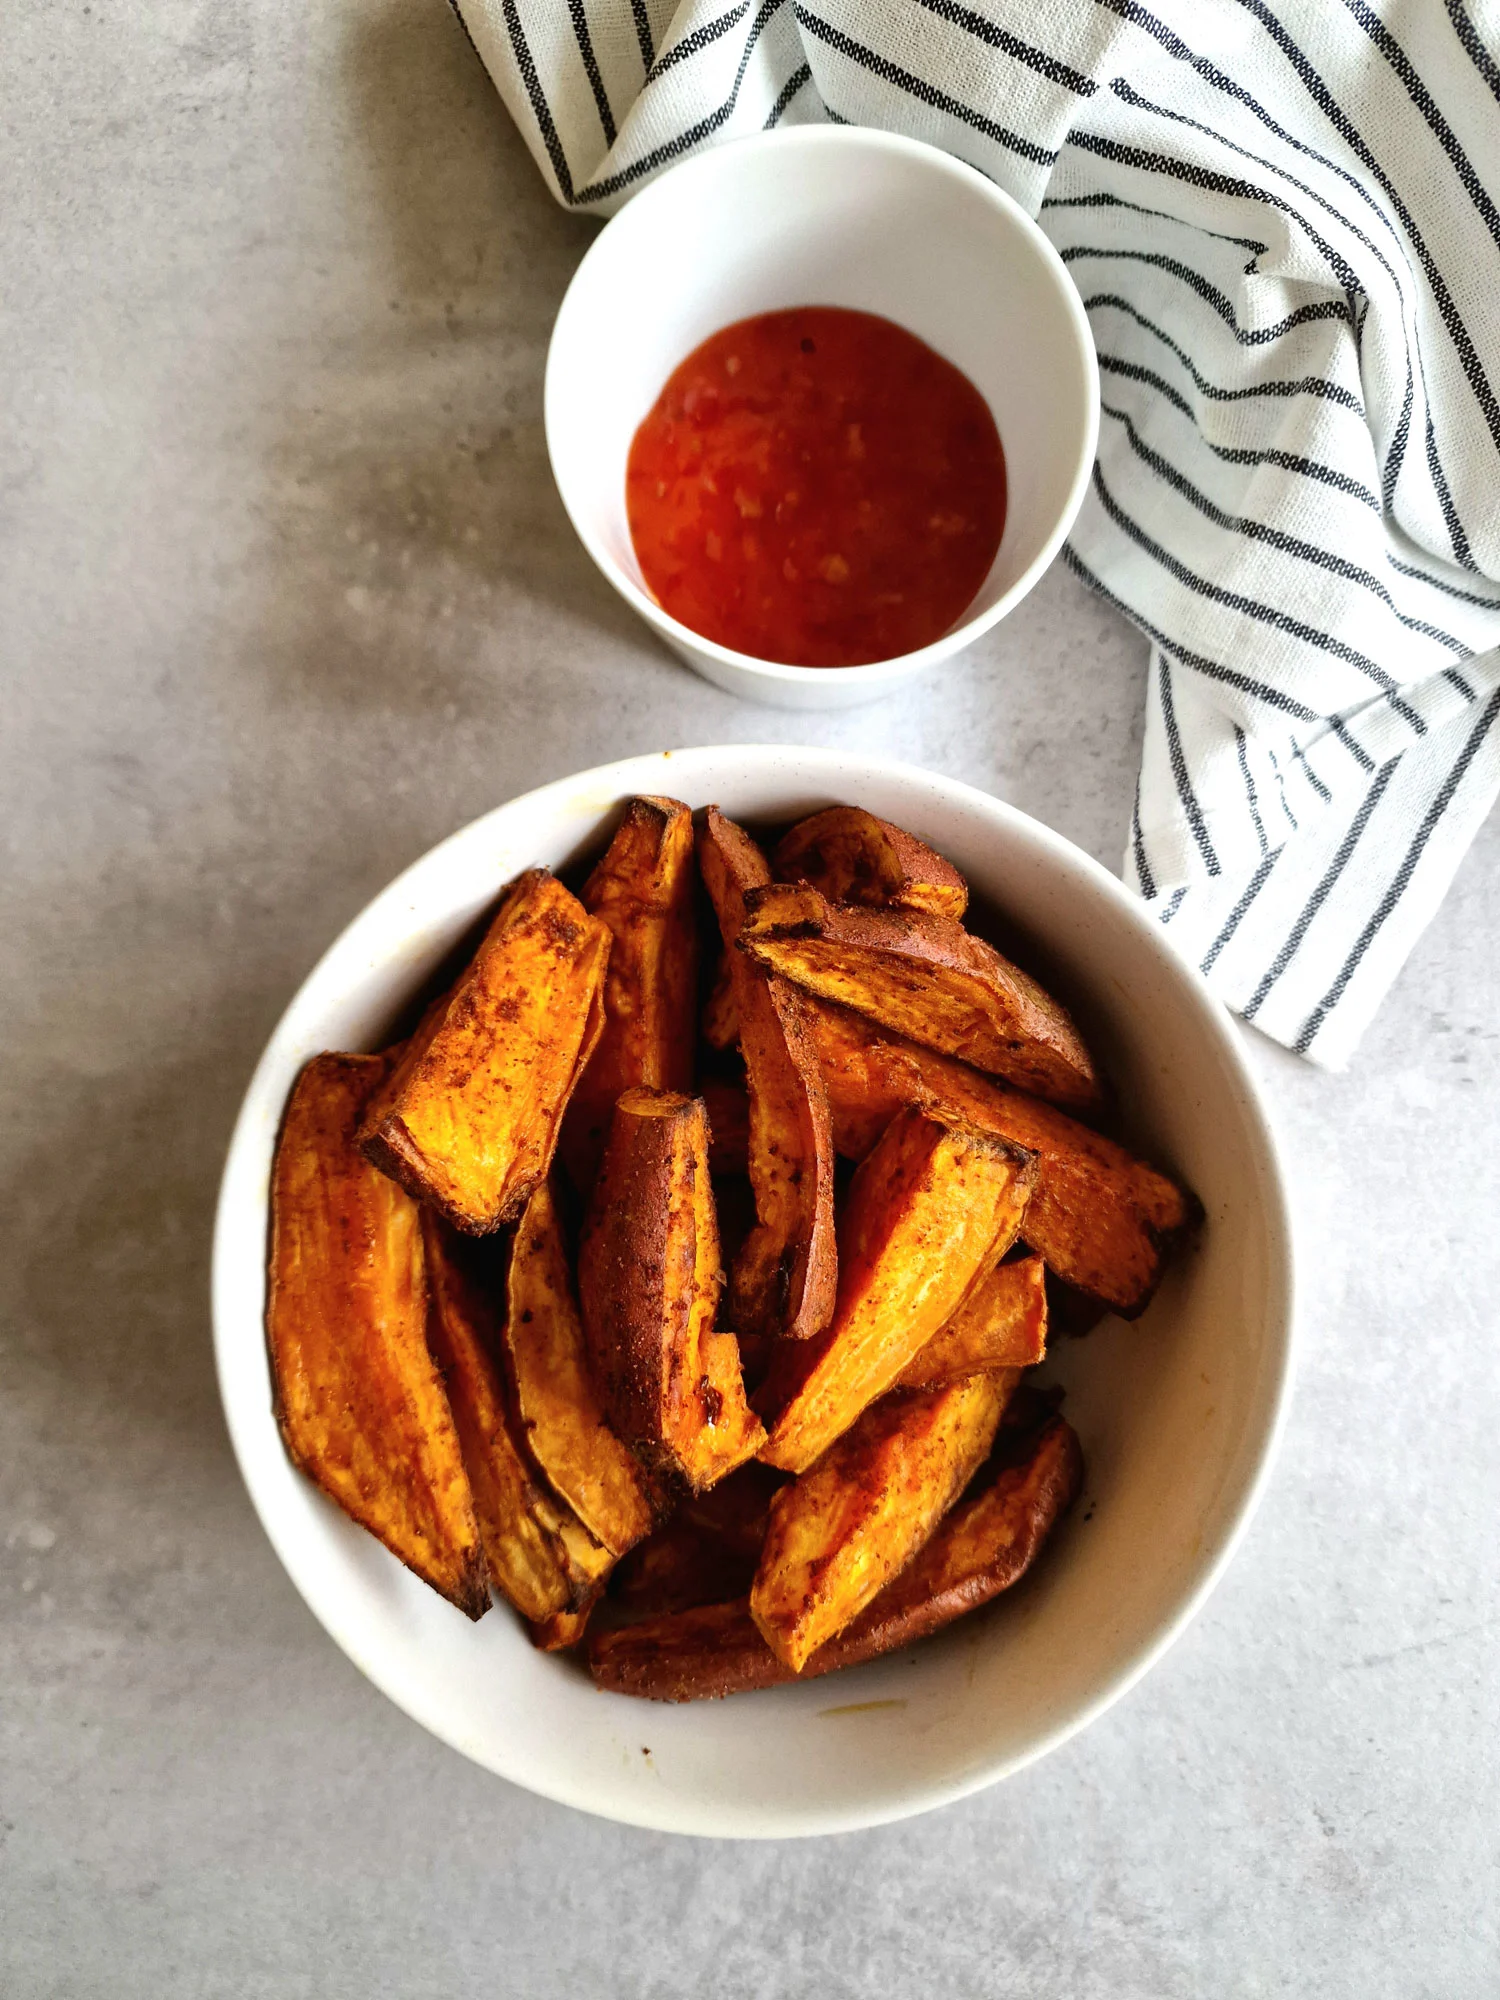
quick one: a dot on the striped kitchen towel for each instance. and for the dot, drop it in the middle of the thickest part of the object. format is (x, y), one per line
(1285, 224)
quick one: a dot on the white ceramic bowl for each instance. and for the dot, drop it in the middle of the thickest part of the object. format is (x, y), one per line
(836, 216)
(1178, 1414)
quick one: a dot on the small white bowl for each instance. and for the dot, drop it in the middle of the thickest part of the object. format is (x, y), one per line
(1179, 1414)
(835, 216)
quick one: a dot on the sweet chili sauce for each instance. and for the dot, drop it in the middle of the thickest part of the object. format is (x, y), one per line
(816, 487)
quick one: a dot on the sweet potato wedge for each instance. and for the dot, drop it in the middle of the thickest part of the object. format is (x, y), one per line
(1001, 1323)
(540, 1555)
(853, 857)
(785, 1277)
(469, 1119)
(842, 1531)
(984, 1546)
(1101, 1219)
(925, 977)
(720, 1023)
(649, 1282)
(362, 1409)
(642, 890)
(585, 1463)
(934, 1203)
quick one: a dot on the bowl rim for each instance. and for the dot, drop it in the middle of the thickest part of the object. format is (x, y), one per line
(815, 138)
(619, 779)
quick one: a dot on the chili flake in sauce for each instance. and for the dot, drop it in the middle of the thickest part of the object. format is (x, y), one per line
(816, 487)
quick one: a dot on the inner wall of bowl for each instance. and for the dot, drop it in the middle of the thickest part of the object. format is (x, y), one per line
(1175, 1412)
(881, 232)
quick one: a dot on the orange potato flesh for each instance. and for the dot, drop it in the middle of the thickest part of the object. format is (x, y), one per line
(540, 1556)
(853, 857)
(362, 1409)
(925, 977)
(1001, 1322)
(649, 1282)
(1101, 1219)
(469, 1120)
(642, 891)
(840, 1533)
(564, 1427)
(984, 1546)
(785, 1278)
(931, 1205)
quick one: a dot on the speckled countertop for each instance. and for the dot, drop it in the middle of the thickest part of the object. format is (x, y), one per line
(285, 595)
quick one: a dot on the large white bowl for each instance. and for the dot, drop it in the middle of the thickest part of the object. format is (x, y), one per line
(834, 216)
(1178, 1414)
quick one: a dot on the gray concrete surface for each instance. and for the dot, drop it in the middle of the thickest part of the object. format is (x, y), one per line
(285, 594)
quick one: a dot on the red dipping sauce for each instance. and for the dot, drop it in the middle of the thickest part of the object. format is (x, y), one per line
(816, 487)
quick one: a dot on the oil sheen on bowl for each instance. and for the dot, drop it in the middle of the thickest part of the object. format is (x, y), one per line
(1178, 1413)
(829, 216)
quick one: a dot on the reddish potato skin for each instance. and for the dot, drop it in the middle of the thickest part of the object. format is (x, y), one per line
(986, 1545)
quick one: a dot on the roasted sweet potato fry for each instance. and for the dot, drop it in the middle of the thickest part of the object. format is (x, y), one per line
(1001, 1322)
(853, 857)
(469, 1119)
(721, 1016)
(984, 1546)
(927, 978)
(643, 891)
(564, 1427)
(786, 1275)
(934, 1203)
(362, 1409)
(1101, 1219)
(649, 1281)
(539, 1553)
(840, 1533)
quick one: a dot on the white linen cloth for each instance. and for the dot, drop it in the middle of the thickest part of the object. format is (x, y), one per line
(1285, 224)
